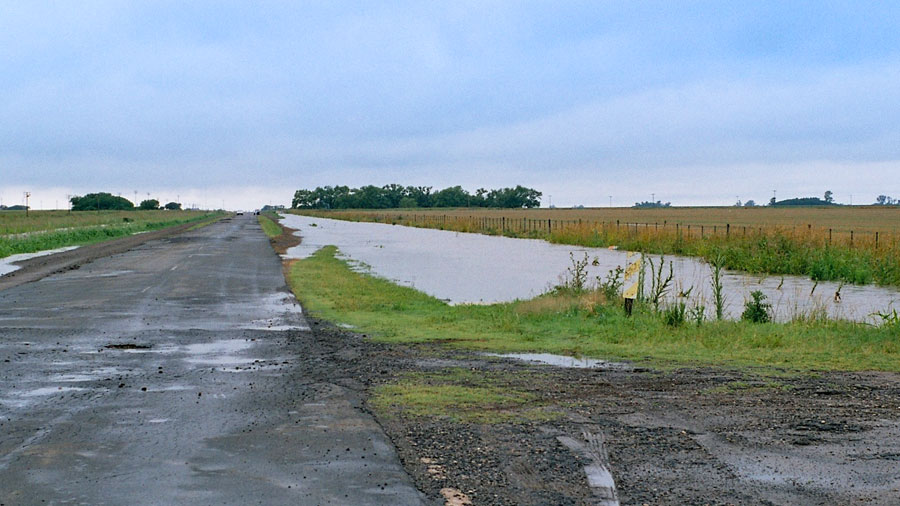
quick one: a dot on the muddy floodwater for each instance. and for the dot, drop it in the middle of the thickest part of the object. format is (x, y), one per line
(474, 268)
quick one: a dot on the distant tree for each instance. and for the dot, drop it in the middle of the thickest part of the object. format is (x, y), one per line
(750, 203)
(738, 203)
(303, 199)
(149, 205)
(772, 201)
(18, 207)
(393, 195)
(102, 200)
(407, 202)
(517, 197)
(829, 197)
(647, 204)
(173, 206)
(804, 201)
(885, 200)
(454, 196)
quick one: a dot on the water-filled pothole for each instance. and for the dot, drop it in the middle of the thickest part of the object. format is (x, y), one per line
(127, 346)
(563, 361)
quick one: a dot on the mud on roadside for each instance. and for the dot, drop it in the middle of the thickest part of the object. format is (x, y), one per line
(682, 436)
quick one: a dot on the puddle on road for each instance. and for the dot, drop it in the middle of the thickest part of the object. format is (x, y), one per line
(40, 392)
(284, 314)
(222, 353)
(473, 268)
(562, 361)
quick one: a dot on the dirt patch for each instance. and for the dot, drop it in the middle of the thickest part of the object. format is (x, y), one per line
(41, 267)
(286, 240)
(685, 436)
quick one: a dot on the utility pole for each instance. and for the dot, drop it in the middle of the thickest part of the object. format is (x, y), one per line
(610, 201)
(27, 194)
(69, 201)
(653, 198)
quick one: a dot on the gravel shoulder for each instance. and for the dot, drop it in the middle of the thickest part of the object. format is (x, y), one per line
(681, 436)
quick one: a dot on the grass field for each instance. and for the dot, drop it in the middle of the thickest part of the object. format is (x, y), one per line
(857, 245)
(44, 230)
(583, 325)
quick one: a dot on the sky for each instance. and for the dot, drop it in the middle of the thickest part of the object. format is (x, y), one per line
(239, 104)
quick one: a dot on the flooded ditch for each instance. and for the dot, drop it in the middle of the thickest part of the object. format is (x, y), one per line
(463, 268)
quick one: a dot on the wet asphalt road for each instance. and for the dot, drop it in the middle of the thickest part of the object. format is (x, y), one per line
(172, 374)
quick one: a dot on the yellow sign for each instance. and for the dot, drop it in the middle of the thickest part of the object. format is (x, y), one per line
(631, 268)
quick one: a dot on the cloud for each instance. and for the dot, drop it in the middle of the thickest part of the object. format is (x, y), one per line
(229, 94)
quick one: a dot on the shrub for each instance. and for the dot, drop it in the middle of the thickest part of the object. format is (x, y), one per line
(675, 314)
(757, 310)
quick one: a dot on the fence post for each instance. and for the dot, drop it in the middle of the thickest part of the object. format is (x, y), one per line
(876, 240)
(851, 238)
(549, 226)
(829, 236)
(727, 230)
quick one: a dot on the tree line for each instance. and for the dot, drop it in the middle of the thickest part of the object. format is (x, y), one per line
(109, 202)
(398, 196)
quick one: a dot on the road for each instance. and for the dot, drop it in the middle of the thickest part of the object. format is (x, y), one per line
(177, 373)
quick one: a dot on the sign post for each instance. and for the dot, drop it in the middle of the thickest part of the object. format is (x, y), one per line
(631, 281)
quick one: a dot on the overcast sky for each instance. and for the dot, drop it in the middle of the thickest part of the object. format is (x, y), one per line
(241, 103)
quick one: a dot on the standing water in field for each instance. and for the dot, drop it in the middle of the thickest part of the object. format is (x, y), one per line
(474, 268)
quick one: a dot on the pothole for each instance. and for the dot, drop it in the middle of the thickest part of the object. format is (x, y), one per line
(127, 346)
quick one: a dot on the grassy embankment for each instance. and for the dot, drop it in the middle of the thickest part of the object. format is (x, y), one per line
(855, 245)
(45, 230)
(271, 228)
(583, 325)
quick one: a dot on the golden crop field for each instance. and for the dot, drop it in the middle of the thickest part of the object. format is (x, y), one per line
(840, 219)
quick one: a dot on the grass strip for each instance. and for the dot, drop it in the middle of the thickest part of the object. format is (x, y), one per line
(271, 228)
(461, 396)
(79, 236)
(582, 325)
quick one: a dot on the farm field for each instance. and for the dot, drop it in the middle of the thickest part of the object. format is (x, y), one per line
(858, 245)
(860, 219)
(44, 230)
(15, 222)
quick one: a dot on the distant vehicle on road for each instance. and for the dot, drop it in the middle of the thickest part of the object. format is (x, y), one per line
(239, 213)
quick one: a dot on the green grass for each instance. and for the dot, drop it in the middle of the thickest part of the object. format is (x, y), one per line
(583, 326)
(78, 234)
(271, 228)
(460, 396)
